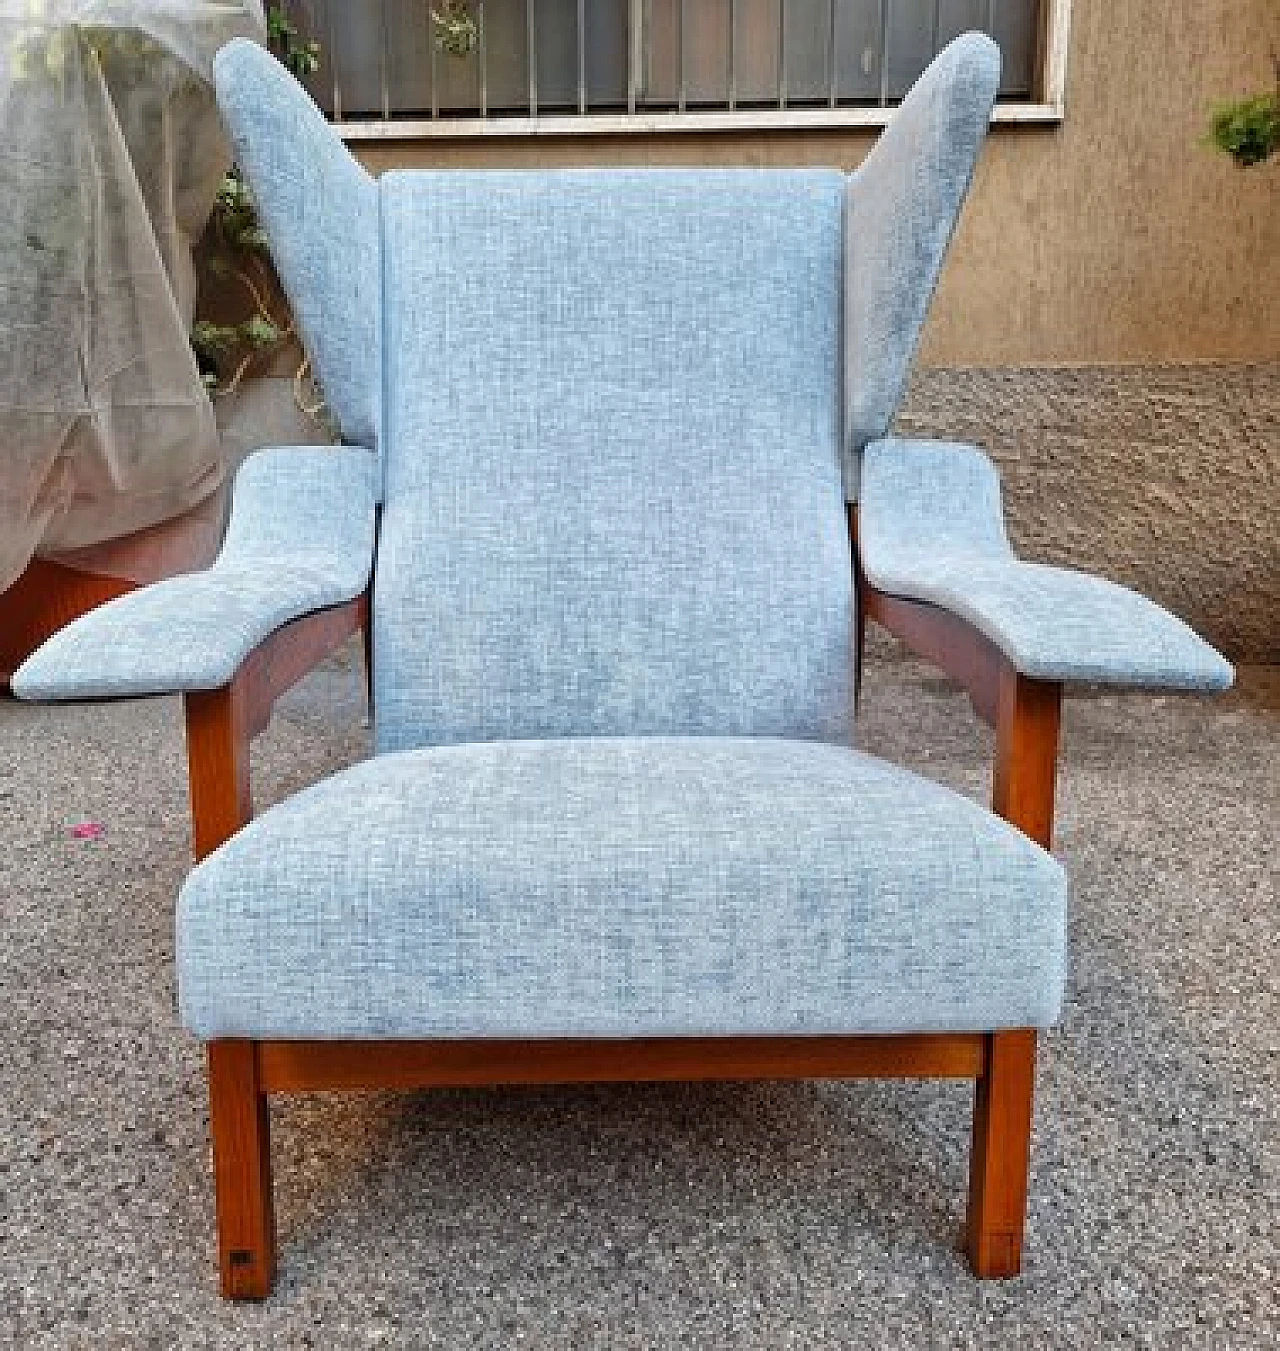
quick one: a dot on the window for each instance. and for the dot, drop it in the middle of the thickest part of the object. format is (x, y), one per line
(573, 66)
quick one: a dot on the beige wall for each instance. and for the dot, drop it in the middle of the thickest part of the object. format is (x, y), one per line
(1119, 237)
(1115, 237)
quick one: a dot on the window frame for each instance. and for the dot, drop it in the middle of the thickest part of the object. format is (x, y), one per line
(1047, 107)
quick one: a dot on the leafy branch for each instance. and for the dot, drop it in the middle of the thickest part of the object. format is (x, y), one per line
(457, 33)
(239, 253)
(1249, 131)
(300, 56)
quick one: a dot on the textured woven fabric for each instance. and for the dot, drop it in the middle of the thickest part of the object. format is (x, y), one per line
(614, 500)
(320, 211)
(931, 528)
(622, 887)
(902, 207)
(300, 539)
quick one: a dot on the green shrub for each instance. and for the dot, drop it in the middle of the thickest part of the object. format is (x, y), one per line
(1249, 131)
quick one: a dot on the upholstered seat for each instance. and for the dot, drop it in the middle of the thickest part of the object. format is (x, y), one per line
(661, 886)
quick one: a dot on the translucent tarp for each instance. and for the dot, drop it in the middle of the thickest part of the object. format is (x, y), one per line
(111, 152)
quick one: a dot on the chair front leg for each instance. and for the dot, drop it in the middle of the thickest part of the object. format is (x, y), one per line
(239, 1117)
(1027, 722)
(1001, 1154)
(219, 730)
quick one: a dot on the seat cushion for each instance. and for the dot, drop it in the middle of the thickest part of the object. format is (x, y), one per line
(622, 887)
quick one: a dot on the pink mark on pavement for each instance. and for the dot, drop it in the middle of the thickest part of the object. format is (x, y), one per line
(88, 830)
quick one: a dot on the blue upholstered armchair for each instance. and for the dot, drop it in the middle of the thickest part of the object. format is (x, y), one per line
(604, 431)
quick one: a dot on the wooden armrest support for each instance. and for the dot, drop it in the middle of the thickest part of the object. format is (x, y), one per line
(1025, 713)
(221, 723)
(946, 640)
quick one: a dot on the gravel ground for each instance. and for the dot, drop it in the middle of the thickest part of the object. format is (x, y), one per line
(806, 1215)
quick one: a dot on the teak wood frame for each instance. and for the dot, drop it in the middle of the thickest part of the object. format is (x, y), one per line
(244, 1073)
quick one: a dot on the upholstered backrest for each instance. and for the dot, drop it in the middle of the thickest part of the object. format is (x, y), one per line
(320, 212)
(612, 431)
(903, 204)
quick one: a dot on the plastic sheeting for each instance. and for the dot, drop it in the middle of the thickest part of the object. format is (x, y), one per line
(111, 152)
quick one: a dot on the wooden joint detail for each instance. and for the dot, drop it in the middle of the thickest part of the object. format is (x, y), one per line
(280, 661)
(946, 640)
(221, 723)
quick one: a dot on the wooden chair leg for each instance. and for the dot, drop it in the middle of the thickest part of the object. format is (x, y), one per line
(1001, 1154)
(1028, 713)
(240, 1123)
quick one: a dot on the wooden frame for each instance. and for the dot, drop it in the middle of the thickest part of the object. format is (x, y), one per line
(1055, 50)
(244, 1073)
(46, 598)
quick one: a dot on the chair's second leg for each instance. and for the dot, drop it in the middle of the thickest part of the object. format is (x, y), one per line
(1027, 722)
(1001, 1154)
(240, 1123)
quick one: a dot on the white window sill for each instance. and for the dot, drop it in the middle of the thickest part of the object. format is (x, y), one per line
(740, 120)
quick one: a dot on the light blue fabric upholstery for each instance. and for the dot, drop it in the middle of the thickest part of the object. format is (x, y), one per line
(903, 203)
(300, 539)
(622, 887)
(614, 501)
(931, 528)
(320, 210)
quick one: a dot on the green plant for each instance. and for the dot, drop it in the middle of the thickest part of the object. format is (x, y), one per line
(237, 253)
(1249, 131)
(301, 57)
(457, 33)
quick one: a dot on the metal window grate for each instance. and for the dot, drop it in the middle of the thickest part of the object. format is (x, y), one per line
(636, 59)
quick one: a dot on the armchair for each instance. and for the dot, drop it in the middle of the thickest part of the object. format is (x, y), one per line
(615, 827)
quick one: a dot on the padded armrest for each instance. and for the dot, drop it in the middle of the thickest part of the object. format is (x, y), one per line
(931, 528)
(300, 539)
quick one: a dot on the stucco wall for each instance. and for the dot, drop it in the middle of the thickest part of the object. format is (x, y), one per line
(1098, 266)
(1166, 478)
